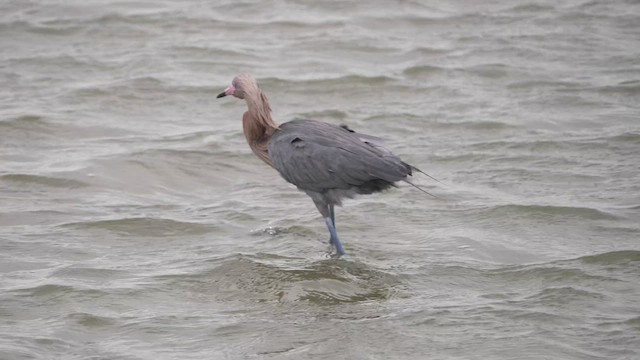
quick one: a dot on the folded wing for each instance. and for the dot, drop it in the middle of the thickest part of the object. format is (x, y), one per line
(317, 156)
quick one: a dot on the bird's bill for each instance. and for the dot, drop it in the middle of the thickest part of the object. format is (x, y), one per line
(227, 91)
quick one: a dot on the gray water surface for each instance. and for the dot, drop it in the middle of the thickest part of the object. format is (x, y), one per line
(135, 223)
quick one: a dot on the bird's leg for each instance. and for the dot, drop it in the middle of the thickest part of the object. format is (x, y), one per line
(333, 220)
(334, 236)
(328, 214)
(333, 215)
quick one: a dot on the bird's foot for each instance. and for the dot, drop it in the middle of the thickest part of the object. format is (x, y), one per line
(331, 253)
(338, 246)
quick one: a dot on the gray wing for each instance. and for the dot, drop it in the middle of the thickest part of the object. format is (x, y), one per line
(317, 156)
(374, 141)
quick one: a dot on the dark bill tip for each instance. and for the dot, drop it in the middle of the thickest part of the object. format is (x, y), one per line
(222, 94)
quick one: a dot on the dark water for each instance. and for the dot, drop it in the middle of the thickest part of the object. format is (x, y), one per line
(136, 224)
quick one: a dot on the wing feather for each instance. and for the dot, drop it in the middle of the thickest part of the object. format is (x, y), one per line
(317, 156)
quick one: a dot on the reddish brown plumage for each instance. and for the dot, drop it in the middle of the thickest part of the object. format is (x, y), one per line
(257, 124)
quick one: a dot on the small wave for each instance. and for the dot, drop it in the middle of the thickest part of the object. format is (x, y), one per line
(423, 70)
(422, 52)
(564, 295)
(53, 290)
(634, 322)
(145, 226)
(183, 155)
(329, 113)
(24, 122)
(491, 71)
(476, 125)
(208, 53)
(564, 271)
(98, 274)
(622, 88)
(628, 137)
(140, 83)
(624, 257)
(632, 138)
(625, 88)
(29, 180)
(143, 23)
(35, 127)
(189, 162)
(79, 65)
(29, 129)
(49, 29)
(90, 320)
(538, 84)
(123, 24)
(350, 80)
(118, 18)
(141, 88)
(532, 8)
(133, 86)
(293, 24)
(433, 19)
(427, 120)
(15, 217)
(199, 136)
(537, 146)
(551, 211)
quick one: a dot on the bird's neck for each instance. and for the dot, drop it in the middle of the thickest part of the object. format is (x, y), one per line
(258, 126)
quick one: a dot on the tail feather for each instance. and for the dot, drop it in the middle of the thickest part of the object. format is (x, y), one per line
(420, 171)
(419, 188)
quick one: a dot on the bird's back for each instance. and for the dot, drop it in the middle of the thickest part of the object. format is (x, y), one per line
(325, 158)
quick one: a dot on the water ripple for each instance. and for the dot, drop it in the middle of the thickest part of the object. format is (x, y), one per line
(323, 282)
(47, 181)
(136, 223)
(145, 226)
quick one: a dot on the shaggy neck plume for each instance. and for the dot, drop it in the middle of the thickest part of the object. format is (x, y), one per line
(258, 126)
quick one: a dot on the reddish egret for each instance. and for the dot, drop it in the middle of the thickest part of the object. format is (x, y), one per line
(326, 161)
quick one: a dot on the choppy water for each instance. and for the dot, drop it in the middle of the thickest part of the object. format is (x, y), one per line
(136, 224)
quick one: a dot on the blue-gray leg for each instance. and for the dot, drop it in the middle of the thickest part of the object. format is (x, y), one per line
(332, 214)
(329, 216)
(334, 237)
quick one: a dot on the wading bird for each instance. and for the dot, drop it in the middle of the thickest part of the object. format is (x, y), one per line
(326, 161)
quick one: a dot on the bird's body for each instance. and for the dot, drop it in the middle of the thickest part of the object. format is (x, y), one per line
(331, 163)
(326, 161)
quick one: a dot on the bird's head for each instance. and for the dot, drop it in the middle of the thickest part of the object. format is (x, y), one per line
(241, 86)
